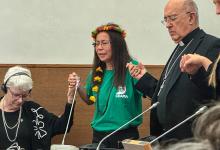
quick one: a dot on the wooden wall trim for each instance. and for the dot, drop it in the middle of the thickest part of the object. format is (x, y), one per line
(50, 88)
(64, 65)
(49, 65)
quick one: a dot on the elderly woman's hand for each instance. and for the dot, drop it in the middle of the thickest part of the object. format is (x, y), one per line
(73, 83)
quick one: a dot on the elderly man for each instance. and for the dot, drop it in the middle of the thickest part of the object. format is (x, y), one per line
(178, 95)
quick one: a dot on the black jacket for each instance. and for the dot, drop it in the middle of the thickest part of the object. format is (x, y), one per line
(183, 96)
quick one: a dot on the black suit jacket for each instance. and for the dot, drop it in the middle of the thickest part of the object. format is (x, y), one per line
(183, 96)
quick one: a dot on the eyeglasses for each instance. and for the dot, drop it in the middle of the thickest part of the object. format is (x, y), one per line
(17, 96)
(102, 43)
(172, 18)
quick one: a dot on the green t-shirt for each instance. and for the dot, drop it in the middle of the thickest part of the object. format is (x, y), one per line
(115, 105)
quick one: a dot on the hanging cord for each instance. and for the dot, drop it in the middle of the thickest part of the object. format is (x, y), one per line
(77, 84)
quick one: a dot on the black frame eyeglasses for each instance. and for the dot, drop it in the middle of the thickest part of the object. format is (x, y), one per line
(172, 18)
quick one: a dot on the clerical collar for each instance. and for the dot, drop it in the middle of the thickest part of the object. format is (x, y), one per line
(189, 37)
(181, 43)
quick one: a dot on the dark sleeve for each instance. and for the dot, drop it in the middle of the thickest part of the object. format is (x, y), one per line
(54, 124)
(45, 124)
(146, 85)
(59, 123)
(200, 79)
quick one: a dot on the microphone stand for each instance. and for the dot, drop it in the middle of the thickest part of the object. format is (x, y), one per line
(201, 110)
(153, 106)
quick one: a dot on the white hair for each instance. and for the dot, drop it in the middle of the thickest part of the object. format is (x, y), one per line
(191, 6)
(18, 77)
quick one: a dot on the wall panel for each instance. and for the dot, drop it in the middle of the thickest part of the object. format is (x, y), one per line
(50, 87)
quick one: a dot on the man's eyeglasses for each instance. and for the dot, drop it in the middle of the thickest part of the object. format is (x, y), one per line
(172, 18)
(102, 43)
(17, 96)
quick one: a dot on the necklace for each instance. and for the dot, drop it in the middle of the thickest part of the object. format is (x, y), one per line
(7, 126)
(169, 68)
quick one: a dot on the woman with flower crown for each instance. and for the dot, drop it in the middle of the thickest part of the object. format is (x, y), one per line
(110, 87)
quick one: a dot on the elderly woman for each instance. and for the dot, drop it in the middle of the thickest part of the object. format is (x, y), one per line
(24, 124)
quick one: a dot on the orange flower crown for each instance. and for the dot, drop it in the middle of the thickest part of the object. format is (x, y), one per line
(95, 88)
(108, 27)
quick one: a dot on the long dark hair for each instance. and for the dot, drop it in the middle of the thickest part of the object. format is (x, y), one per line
(120, 57)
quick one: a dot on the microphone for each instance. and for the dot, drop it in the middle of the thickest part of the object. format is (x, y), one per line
(152, 106)
(62, 146)
(201, 110)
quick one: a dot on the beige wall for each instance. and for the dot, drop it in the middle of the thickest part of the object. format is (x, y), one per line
(59, 31)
